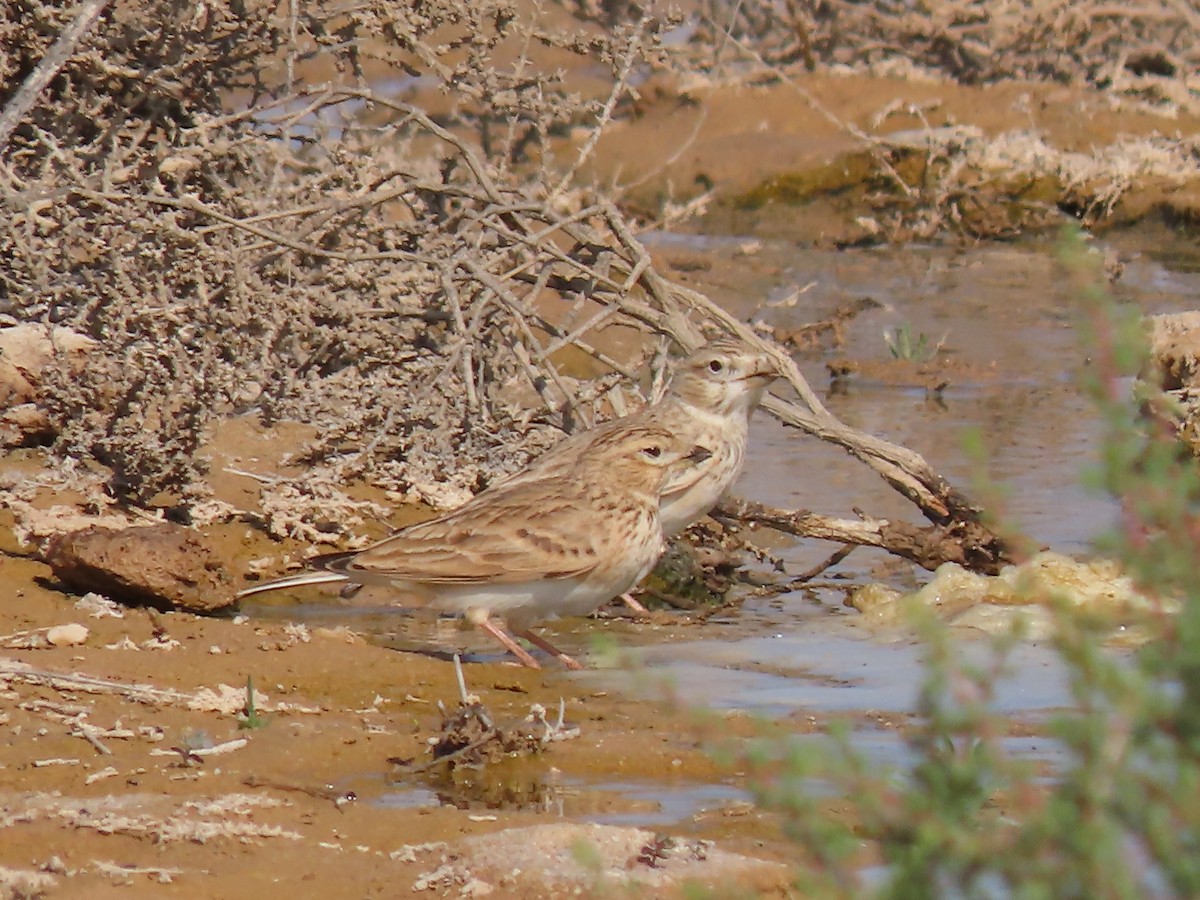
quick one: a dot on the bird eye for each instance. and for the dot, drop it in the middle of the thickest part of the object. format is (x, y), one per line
(653, 452)
(715, 366)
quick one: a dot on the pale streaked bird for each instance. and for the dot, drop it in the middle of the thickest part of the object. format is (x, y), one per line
(531, 549)
(708, 403)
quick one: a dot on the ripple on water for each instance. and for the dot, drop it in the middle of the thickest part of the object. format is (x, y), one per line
(827, 669)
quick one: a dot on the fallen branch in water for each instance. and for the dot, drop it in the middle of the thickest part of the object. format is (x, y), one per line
(828, 563)
(928, 546)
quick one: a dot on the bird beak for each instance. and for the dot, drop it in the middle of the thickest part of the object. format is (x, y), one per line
(698, 455)
(768, 373)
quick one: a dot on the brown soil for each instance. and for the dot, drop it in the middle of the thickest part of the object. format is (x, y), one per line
(350, 707)
(336, 710)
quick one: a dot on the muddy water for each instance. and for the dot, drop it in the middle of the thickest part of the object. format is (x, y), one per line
(1005, 315)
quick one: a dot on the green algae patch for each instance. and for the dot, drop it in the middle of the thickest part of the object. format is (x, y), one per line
(847, 174)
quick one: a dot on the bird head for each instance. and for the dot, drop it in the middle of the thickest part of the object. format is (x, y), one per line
(641, 457)
(724, 376)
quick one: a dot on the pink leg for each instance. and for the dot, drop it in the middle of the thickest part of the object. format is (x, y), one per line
(634, 604)
(512, 646)
(539, 641)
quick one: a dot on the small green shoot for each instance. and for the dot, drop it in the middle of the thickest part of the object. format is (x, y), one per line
(250, 719)
(903, 345)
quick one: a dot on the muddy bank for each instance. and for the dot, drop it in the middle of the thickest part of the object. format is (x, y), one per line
(852, 158)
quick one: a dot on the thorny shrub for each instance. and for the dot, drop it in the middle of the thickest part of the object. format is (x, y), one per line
(240, 240)
(976, 41)
(1116, 817)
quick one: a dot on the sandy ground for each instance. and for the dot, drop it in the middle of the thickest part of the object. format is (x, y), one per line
(133, 808)
(131, 812)
(106, 782)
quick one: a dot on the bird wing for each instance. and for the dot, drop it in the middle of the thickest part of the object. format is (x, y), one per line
(683, 479)
(532, 533)
(556, 462)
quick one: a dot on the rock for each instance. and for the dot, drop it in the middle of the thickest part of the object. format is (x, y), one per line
(165, 566)
(25, 352)
(71, 635)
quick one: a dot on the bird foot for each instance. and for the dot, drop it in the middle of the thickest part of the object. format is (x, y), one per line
(634, 604)
(512, 646)
(538, 641)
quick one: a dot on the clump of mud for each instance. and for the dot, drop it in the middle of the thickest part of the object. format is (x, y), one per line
(570, 859)
(166, 565)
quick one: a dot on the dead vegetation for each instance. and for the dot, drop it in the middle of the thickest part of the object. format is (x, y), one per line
(289, 259)
(940, 177)
(469, 738)
(398, 254)
(1137, 48)
(957, 180)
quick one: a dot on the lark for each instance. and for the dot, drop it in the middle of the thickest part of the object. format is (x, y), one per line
(708, 403)
(530, 550)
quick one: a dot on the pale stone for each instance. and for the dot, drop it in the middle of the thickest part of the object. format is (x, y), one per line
(71, 635)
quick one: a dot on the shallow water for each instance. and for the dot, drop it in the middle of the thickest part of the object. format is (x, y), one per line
(1006, 311)
(835, 669)
(639, 804)
(1004, 308)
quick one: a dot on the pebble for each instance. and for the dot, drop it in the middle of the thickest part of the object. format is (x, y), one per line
(71, 635)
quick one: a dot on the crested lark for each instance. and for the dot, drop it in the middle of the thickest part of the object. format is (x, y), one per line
(531, 549)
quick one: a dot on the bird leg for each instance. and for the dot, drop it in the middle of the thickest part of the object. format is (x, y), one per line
(539, 641)
(512, 646)
(633, 604)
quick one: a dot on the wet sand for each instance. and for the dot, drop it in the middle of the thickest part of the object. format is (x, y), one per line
(349, 708)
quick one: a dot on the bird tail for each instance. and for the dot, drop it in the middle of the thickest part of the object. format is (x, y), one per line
(289, 581)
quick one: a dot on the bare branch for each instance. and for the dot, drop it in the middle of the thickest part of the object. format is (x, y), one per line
(57, 57)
